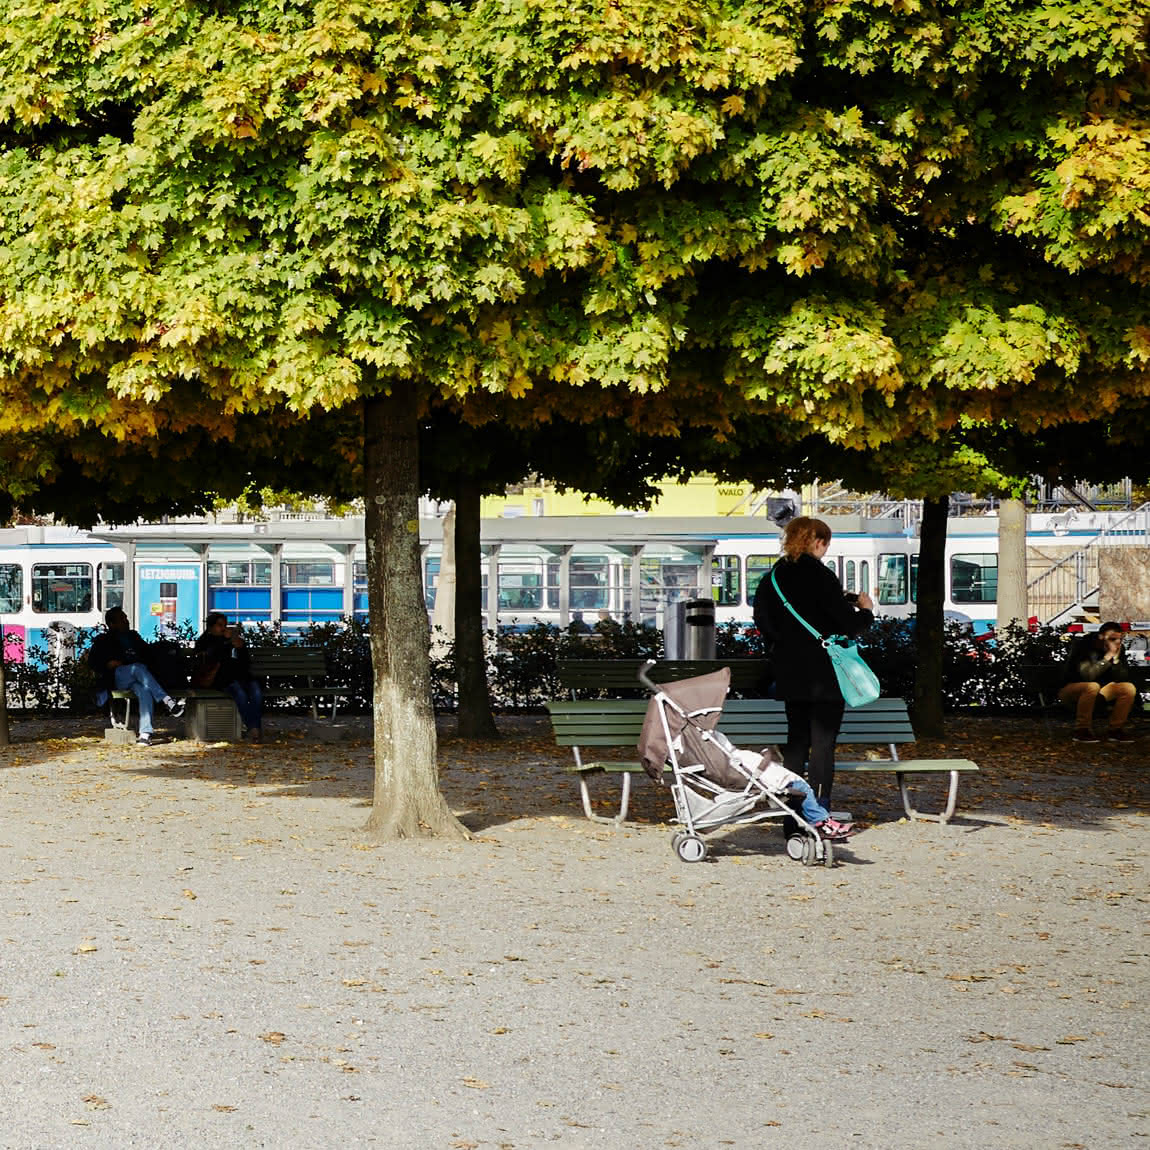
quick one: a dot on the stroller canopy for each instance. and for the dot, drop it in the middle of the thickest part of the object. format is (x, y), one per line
(689, 704)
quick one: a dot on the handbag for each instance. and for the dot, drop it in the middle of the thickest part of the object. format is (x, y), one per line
(205, 673)
(857, 682)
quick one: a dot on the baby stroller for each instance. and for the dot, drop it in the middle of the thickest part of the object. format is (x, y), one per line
(714, 784)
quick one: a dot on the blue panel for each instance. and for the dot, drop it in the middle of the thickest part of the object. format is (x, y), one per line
(254, 599)
(167, 594)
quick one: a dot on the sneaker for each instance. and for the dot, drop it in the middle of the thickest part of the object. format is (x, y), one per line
(1120, 736)
(833, 829)
(1085, 735)
(176, 707)
(143, 740)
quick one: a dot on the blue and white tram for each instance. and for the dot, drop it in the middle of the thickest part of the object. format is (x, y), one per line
(551, 569)
(54, 581)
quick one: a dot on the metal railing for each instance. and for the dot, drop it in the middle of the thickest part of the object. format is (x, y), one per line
(1073, 581)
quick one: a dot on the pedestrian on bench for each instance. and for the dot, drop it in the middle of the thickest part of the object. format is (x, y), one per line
(1097, 666)
(118, 659)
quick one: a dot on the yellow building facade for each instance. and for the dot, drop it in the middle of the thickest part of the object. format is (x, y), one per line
(698, 496)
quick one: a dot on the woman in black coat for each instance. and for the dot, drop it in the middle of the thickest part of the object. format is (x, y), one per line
(804, 677)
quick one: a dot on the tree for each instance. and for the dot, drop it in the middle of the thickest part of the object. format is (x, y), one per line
(867, 225)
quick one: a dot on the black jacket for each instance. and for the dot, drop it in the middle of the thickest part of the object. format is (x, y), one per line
(115, 647)
(802, 668)
(235, 663)
(1084, 663)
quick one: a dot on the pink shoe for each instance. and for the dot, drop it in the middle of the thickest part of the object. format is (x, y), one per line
(833, 829)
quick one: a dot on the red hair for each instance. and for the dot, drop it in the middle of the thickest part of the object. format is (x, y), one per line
(802, 534)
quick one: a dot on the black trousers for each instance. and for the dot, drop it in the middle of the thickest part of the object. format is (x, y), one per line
(812, 729)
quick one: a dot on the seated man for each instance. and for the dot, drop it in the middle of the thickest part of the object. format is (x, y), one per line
(117, 659)
(224, 662)
(1096, 666)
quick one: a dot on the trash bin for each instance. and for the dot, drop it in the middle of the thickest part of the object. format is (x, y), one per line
(689, 631)
(699, 629)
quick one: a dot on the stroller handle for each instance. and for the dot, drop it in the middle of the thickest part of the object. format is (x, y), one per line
(645, 680)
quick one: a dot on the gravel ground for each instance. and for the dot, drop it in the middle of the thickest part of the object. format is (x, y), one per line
(199, 949)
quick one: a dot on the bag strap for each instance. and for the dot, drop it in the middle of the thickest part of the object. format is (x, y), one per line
(786, 603)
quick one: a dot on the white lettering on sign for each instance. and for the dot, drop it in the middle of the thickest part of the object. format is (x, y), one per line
(188, 574)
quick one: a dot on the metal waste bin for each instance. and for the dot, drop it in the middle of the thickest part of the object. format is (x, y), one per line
(690, 630)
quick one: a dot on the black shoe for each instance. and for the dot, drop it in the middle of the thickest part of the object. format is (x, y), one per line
(177, 708)
(1120, 736)
(1085, 735)
(143, 740)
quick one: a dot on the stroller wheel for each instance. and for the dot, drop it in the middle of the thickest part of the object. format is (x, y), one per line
(691, 848)
(676, 838)
(828, 853)
(795, 846)
(810, 849)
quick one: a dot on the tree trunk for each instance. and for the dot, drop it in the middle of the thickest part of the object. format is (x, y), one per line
(1012, 606)
(928, 628)
(407, 801)
(475, 718)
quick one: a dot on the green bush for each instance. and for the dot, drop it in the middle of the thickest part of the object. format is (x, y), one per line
(521, 663)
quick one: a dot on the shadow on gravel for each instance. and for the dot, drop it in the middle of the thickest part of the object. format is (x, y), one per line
(1027, 775)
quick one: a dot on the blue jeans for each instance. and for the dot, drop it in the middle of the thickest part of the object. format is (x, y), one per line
(135, 677)
(811, 810)
(249, 702)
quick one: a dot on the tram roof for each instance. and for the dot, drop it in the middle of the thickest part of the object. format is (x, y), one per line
(547, 531)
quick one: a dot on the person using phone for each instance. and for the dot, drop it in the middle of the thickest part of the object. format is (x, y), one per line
(222, 649)
(1096, 666)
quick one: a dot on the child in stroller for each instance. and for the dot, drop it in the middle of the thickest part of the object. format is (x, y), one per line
(715, 784)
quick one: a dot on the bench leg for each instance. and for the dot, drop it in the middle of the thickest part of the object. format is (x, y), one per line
(624, 800)
(120, 726)
(951, 801)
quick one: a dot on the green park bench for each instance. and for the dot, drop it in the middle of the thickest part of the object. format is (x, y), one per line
(749, 723)
(288, 672)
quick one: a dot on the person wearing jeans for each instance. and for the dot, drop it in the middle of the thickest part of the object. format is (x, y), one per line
(135, 677)
(224, 661)
(117, 657)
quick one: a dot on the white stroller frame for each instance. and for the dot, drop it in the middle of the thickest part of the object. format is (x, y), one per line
(739, 795)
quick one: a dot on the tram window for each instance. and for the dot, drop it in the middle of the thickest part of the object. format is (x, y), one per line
(850, 576)
(61, 588)
(974, 578)
(111, 585)
(552, 588)
(757, 567)
(11, 588)
(864, 575)
(726, 588)
(240, 573)
(431, 568)
(914, 578)
(359, 573)
(891, 579)
(308, 573)
(588, 584)
(520, 587)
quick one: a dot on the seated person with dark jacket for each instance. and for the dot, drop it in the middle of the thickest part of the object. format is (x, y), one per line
(1097, 665)
(117, 658)
(223, 662)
